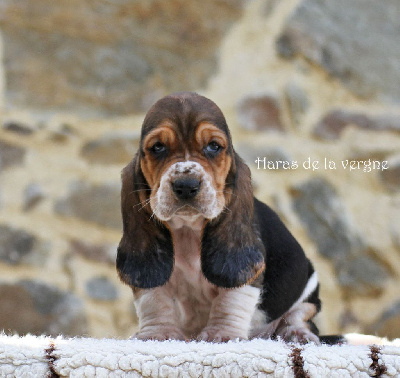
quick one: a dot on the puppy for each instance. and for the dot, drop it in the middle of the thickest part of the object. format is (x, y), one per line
(204, 258)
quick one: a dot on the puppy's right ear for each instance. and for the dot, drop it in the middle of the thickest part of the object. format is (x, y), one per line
(145, 255)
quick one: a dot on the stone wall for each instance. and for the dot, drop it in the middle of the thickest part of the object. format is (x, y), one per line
(310, 92)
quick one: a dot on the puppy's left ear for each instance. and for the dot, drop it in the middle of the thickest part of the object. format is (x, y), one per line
(231, 249)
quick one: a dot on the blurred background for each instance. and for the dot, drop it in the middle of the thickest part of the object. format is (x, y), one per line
(298, 80)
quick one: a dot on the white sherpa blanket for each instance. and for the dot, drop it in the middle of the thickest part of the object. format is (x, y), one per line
(32, 356)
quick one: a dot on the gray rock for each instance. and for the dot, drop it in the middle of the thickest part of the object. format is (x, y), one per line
(391, 176)
(355, 41)
(101, 288)
(322, 212)
(335, 122)
(325, 218)
(269, 7)
(362, 274)
(297, 100)
(33, 194)
(396, 238)
(348, 318)
(394, 225)
(20, 247)
(107, 57)
(94, 203)
(34, 307)
(388, 324)
(364, 153)
(259, 113)
(103, 253)
(115, 148)
(63, 133)
(18, 128)
(10, 155)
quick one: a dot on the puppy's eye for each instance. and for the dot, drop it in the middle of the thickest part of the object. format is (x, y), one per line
(212, 148)
(158, 148)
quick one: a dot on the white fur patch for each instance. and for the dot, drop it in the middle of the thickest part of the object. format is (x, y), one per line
(310, 287)
(165, 204)
(231, 314)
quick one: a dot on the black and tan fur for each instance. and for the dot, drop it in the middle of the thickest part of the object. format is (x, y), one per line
(245, 265)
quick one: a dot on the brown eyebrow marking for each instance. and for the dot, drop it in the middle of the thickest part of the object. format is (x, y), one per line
(207, 131)
(165, 134)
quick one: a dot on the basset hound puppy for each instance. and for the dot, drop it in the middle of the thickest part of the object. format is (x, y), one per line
(204, 258)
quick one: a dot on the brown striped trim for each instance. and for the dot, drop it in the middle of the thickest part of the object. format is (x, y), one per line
(298, 363)
(51, 358)
(377, 368)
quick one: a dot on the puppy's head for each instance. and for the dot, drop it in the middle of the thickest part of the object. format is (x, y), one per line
(186, 156)
(186, 167)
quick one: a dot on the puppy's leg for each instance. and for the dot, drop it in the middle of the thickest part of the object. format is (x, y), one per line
(294, 325)
(157, 315)
(230, 315)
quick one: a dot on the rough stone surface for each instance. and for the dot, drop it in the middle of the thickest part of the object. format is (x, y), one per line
(111, 57)
(394, 225)
(101, 288)
(356, 42)
(325, 218)
(18, 128)
(34, 307)
(111, 148)
(259, 113)
(277, 155)
(33, 194)
(10, 155)
(332, 124)
(391, 177)
(63, 133)
(297, 101)
(365, 154)
(18, 246)
(105, 253)
(94, 203)
(388, 325)
(269, 7)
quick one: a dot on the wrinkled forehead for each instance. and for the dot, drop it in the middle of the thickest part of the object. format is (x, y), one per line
(185, 111)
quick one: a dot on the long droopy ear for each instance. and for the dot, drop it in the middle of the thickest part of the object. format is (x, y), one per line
(231, 250)
(145, 255)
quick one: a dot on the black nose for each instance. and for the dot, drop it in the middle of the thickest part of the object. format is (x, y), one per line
(186, 188)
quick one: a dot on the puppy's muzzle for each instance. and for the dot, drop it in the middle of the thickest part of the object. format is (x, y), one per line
(186, 188)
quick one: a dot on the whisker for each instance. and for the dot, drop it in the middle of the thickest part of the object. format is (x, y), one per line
(141, 183)
(139, 190)
(144, 203)
(223, 206)
(147, 202)
(224, 191)
(154, 213)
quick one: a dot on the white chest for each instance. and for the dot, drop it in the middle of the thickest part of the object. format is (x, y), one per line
(192, 294)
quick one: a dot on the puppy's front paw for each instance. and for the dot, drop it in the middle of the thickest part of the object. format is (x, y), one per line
(219, 335)
(297, 334)
(160, 334)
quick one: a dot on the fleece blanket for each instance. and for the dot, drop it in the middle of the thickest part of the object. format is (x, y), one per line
(31, 356)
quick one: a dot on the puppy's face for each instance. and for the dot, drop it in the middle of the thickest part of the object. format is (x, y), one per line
(186, 155)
